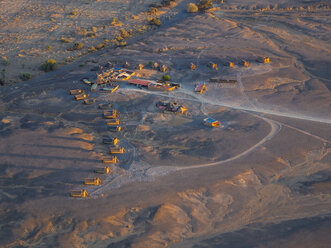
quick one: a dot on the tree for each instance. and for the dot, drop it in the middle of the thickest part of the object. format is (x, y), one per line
(48, 65)
(192, 8)
(205, 4)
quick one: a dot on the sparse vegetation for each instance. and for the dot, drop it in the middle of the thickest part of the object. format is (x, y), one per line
(152, 11)
(73, 13)
(119, 38)
(205, 4)
(64, 40)
(116, 22)
(101, 45)
(91, 49)
(122, 44)
(48, 65)
(155, 21)
(78, 46)
(25, 76)
(166, 78)
(192, 8)
(94, 29)
(124, 33)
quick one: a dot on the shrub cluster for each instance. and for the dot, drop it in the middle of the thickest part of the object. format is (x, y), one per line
(166, 78)
(25, 76)
(78, 46)
(205, 4)
(192, 8)
(48, 65)
(155, 21)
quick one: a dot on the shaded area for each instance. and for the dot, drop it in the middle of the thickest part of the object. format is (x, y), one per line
(309, 232)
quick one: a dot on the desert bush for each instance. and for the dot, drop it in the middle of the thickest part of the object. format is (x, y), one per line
(124, 33)
(155, 21)
(101, 45)
(166, 78)
(122, 44)
(78, 46)
(91, 49)
(94, 29)
(48, 65)
(73, 13)
(119, 38)
(192, 8)
(64, 40)
(25, 76)
(205, 4)
(152, 11)
(116, 22)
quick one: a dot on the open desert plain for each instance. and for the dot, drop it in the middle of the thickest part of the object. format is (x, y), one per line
(144, 169)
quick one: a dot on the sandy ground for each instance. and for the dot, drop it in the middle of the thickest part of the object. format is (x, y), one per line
(261, 181)
(34, 31)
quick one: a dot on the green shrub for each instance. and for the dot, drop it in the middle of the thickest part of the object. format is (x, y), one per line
(94, 29)
(48, 65)
(64, 40)
(78, 46)
(152, 11)
(205, 4)
(155, 21)
(91, 49)
(166, 78)
(192, 8)
(101, 45)
(25, 76)
(124, 33)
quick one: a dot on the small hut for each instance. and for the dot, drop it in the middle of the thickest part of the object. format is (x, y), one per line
(116, 150)
(110, 160)
(92, 181)
(102, 170)
(79, 193)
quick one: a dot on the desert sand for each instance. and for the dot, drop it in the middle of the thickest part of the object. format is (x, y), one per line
(263, 180)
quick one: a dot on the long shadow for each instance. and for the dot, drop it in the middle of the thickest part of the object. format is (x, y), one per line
(47, 157)
(66, 138)
(31, 167)
(57, 147)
